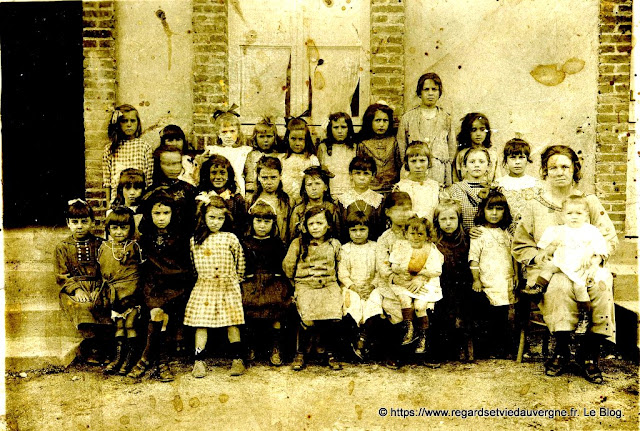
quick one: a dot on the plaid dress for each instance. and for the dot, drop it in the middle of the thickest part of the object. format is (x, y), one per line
(216, 299)
(134, 153)
(466, 194)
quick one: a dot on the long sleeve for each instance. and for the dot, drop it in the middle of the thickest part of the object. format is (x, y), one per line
(238, 256)
(548, 236)
(401, 136)
(148, 164)
(382, 259)
(291, 259)
(523, 246)
(451, 138)
(107, 160)
(62, 271)
(344, 267)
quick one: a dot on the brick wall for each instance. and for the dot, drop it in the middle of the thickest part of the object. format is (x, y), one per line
(210, 71)
(612, 132)
(387, 53)
(99, 92)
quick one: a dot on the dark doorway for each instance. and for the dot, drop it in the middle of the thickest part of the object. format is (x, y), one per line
(42, 111)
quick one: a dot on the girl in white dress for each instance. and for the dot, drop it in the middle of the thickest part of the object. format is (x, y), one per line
(492, 265)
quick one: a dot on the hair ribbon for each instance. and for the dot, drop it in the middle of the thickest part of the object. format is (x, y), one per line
(231, 110)
(77, 200)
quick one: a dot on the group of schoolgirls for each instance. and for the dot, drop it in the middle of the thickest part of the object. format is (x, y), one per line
(365, 228)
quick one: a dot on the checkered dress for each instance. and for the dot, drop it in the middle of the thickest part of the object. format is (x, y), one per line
(216, 299)
(466, 194)
(134, 153)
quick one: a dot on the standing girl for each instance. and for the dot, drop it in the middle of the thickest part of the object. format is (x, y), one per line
(168, 279)
(217, 176)
(337, 150)
(264, 142)
(358, 277)
(265, 291)
(299, 156)
(467, 192)
(452, 313)
(230, 142)
(429, 123)
(416, 265)
(216, 299)
(119, 260)
(475, 130)
(126, 149)
(131, 187)
(492, 266)
(270, 190)
(315, 191)
(424, 191)
(377, 140)
(517, 186)
(78, 277)
(312, 265)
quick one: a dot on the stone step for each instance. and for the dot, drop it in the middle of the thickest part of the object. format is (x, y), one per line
(625, 284)
(30, 281)
(33, 353)
(32, 244)
(34, 320)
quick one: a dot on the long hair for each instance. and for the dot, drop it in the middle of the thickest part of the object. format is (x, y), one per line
(349, 141)
(305, 236)
(315, 172)
(120, 216)
(267, 162)
(264, 211)
(299, 124)
(205, 184)
(202, 231)
(464, 137)
(129, 177)
(564, 151)
(495, 198)
(458, 236)
(114, 130)
(366, 132)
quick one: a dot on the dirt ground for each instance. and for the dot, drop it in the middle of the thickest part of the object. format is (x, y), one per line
(266, 398)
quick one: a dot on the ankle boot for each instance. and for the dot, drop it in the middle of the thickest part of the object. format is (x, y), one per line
(275, 358)
(408, 336)
(422, 341)
(114, 365)
(149, 353)
(130, 348)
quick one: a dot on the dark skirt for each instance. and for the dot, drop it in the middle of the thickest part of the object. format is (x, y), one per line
(265, 296)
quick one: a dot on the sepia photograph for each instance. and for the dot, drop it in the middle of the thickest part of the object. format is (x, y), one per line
(319, 214)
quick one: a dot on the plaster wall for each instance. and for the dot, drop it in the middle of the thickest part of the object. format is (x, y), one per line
(154, 58)
(485, 51)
